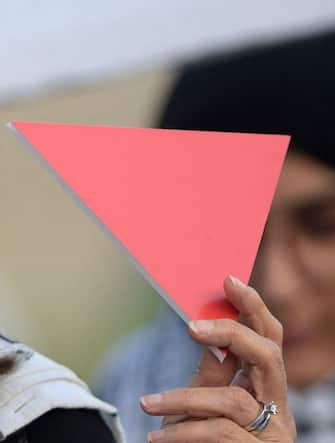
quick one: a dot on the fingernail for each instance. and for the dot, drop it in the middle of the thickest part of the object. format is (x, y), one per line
(236, 282)
(202, 327)
(156, 436)
(151, 400)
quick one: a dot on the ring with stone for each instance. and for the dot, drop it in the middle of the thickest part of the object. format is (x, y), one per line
(263, 418)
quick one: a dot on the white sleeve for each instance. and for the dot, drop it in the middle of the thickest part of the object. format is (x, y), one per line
(33, 385)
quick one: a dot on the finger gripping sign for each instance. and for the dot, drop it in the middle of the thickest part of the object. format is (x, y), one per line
(187, 207)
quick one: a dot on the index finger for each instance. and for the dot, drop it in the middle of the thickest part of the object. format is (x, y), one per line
(253, 311)
(258, 352)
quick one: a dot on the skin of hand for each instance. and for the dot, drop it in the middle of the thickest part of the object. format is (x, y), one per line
(223, 398)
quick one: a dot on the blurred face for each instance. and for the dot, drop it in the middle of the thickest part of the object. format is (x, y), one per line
(295, 267)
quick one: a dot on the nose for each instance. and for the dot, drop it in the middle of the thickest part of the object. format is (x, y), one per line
(277, 274)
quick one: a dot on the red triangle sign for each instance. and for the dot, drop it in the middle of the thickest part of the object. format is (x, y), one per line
(189, 207)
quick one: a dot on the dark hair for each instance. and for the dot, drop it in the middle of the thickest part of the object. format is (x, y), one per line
(287, 88)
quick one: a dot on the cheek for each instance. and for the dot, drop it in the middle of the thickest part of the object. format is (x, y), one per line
(324, 304)
(329, 316)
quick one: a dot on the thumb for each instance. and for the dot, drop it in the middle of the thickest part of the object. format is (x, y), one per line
(211, 372)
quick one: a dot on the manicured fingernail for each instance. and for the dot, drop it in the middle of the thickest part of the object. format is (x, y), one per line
(236, 282)
(156, 436)
(151, 400)
(201, 327)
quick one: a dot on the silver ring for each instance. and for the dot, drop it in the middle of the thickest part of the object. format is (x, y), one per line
(263, 418)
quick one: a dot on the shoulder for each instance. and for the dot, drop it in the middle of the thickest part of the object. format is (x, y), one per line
(39, 394)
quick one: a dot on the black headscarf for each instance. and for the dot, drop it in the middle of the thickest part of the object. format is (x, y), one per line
(285, 89)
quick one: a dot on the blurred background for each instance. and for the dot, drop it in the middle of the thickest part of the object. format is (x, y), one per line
(64, 286)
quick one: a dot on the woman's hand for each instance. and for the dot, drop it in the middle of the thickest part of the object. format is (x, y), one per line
(221, 400)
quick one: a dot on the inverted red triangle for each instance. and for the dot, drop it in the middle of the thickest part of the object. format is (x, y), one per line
(189, 207)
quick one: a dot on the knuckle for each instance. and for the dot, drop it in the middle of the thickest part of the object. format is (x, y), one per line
(223, 428)
(236, 394)
(225, 431)
(166, 395)
(291, 426)
(288, 429)
(218, 324)
(171, 397)
(294, 431)
(257, 301)
(240, 400)
(226, 327)
(273, 354)
(278, 330)
(221, 323)
(257, 304)
(189, 397)
(232, 329)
